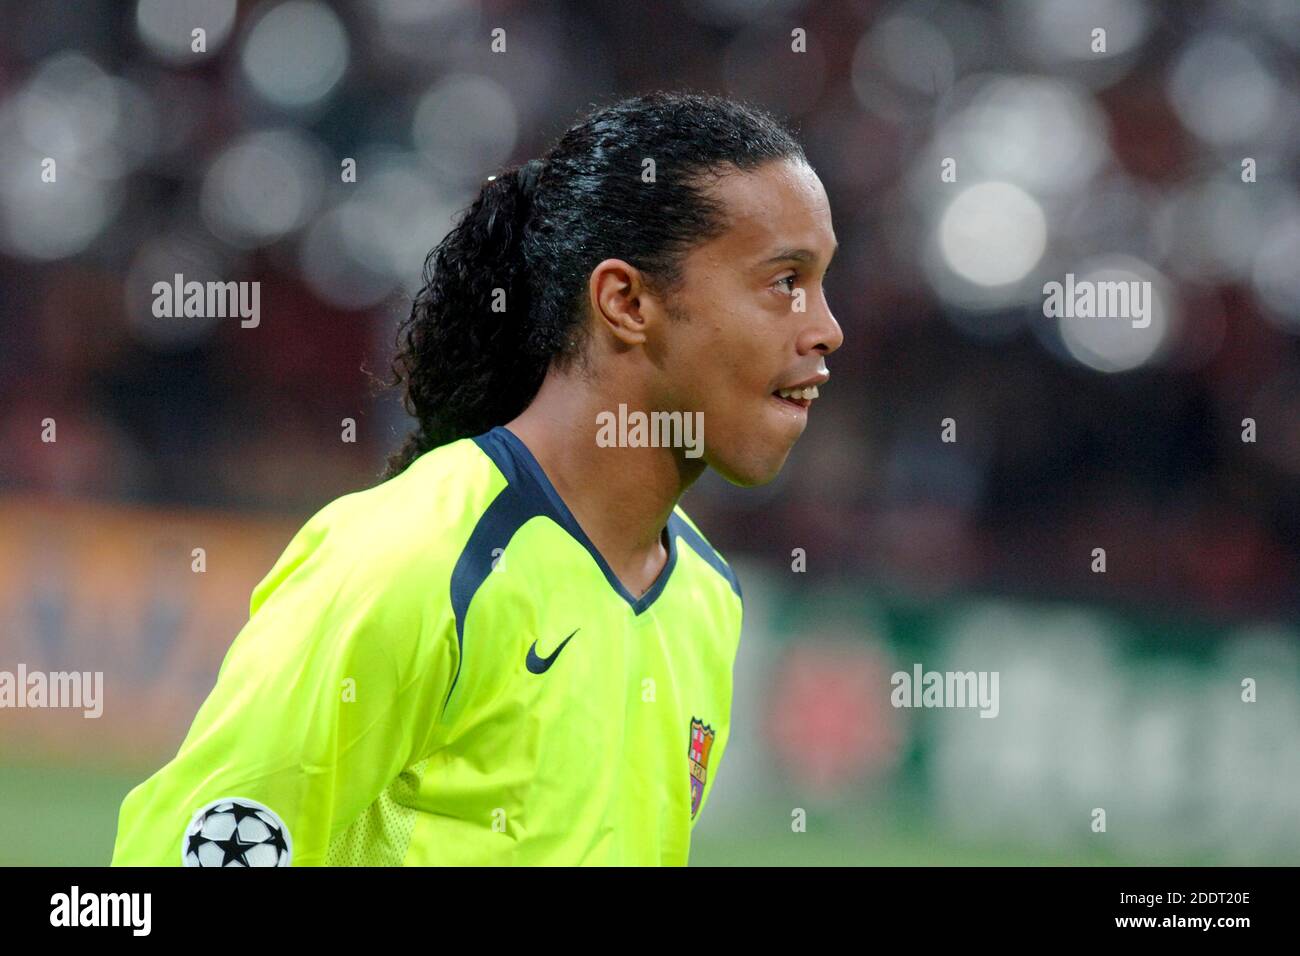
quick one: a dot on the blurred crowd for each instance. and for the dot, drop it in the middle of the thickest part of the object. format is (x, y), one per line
(1119, 152)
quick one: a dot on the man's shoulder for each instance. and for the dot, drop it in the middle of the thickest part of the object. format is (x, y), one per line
(416, 522)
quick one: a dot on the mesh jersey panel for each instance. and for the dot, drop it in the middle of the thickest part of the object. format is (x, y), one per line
(382, 834)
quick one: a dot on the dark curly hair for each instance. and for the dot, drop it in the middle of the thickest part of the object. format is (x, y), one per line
(504, 290)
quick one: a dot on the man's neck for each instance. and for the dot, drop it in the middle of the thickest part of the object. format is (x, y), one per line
(621, 497)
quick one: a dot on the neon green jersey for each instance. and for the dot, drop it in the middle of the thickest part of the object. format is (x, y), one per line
(443, 670)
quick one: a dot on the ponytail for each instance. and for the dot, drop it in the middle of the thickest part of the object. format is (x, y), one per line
(464, 351)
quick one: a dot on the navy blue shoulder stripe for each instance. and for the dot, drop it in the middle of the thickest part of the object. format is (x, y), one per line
(676, 527)
(507, 513)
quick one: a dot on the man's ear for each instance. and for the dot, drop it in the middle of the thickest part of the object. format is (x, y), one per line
(622, 302)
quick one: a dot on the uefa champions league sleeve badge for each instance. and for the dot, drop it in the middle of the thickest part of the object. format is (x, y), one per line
(236, 831)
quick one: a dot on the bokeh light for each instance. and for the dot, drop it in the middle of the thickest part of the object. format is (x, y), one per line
(166, 27)
(993, 233)
(295, 53)
(262, 187)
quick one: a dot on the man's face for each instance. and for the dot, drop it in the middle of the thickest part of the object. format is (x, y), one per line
(753, 320)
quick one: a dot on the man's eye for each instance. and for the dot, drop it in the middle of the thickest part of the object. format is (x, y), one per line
(790, 279)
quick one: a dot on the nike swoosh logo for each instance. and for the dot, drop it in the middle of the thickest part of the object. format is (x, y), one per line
(540, 665)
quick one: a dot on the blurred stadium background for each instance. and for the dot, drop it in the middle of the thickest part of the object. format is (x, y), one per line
(1119, 690)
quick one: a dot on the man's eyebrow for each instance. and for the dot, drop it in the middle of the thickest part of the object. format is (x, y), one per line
(798, 255)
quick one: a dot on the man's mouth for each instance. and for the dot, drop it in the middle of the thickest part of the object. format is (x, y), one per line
(798, 397)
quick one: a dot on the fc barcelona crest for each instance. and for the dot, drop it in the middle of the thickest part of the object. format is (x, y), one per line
(701, 744)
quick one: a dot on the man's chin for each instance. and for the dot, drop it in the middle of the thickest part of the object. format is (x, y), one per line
(752, 472)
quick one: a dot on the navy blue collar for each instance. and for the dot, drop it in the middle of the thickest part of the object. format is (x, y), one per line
(525, 474)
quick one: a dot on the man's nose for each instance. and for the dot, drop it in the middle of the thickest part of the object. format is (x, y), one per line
(825, 336)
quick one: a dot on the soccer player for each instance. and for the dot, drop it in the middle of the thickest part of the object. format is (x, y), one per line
(518, 649)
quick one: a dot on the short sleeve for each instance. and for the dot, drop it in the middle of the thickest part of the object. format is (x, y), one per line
(333, 686)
